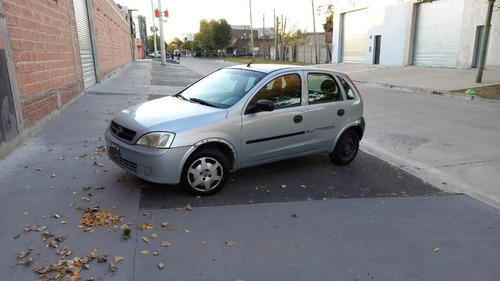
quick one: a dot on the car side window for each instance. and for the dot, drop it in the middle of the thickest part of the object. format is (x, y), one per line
(323, 88)
(284, 91)
(348, 90)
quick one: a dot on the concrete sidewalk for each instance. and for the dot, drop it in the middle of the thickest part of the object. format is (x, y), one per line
(415, 78)
(62, 170)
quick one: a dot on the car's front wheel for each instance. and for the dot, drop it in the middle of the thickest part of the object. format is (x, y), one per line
(205, 172)
(346, 148)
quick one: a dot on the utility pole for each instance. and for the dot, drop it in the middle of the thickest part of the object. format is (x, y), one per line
(264, 34)
(162, 39)
(251, 30)
(154, 27)
(314, 28)
(484, 43)
(275, 35)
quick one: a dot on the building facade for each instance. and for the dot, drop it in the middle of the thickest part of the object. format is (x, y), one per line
(50, 52)
(444, 33)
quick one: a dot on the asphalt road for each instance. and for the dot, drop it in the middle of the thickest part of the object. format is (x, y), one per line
(274, 224)
(301, 179)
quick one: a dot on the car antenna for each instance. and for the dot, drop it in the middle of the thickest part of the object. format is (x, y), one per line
(248, 65)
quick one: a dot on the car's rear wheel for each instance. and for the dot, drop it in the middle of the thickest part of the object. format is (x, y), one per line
(205, 172)
(346, 148)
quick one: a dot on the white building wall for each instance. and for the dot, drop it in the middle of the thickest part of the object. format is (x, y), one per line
(388, 18)
(474, 16)
(394, 20)
(391, 23)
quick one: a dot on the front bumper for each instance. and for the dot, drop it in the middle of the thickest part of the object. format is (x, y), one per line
(151, 164)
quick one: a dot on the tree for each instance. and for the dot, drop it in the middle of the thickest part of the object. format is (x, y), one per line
(151, 47)
(220, 34)
(212, 35)
(188, 45)
(328, 25)
(288, 37)
(202, 37)
(176, 43)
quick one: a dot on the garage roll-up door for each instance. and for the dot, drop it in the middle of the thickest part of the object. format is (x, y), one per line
(85, 42)
(437, 33)
(355, 36)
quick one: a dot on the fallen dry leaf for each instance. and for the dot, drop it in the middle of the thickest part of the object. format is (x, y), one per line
(27, 262)
(161, 265)
(166, 244)
(25, 253)
(145, 239)
(154, 236)
(231, 243)
(144, 252)
(112, 264)
(90, 218)
(122, 178)
(188, 207)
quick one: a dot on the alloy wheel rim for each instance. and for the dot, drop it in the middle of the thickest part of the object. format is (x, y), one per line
(205, 174)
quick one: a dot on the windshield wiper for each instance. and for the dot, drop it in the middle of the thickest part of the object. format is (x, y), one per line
(179, 95)
(204, 102)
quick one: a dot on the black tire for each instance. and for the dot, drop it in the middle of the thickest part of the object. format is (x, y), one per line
(205, 172)
(346, 148)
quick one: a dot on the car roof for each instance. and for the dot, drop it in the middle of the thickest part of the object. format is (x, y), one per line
(268, 68)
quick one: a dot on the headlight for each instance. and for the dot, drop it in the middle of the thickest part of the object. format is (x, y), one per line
(157, 140)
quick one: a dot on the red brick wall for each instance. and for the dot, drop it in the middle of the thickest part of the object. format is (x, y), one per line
(112, 36)
(44, 44)
(46, 61)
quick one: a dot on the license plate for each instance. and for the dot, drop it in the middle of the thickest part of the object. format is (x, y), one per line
(114, 151)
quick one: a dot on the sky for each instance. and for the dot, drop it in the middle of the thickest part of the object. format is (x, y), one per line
(184, 16)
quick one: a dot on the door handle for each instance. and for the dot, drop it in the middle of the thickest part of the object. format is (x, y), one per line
(297, 118)
(340, 112)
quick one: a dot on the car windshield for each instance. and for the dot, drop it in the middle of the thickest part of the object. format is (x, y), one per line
(223, 88)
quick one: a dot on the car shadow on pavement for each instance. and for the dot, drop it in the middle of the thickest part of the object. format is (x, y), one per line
(306, 178)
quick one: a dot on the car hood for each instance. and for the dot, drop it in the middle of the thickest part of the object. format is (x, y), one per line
(167, 114)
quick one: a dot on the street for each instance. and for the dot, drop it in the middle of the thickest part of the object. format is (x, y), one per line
(300, 219)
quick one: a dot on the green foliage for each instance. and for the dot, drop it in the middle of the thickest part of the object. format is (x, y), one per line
(151, 46)
(294, 37)
(220, 34)
(212, 35)
(188, 45)
(328, 25)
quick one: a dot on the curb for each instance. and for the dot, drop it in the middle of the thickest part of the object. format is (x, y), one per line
(427, 91)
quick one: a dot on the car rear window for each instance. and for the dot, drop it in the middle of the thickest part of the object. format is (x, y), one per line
(351, 94)
(323, 88)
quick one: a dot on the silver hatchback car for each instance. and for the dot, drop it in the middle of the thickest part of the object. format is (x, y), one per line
(238, 117)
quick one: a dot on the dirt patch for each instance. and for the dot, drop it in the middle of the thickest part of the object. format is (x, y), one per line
(487, 92)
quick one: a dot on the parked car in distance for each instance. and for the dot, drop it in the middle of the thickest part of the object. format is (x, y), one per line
(238, 117)
(156, 54)
(241, 53)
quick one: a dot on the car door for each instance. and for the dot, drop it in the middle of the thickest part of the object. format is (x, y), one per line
(326, 112)
(271, 135)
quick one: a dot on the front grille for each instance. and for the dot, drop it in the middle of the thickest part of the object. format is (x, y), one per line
(124, 163)
(122, 132)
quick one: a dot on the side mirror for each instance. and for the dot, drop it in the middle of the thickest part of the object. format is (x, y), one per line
(264, 105)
